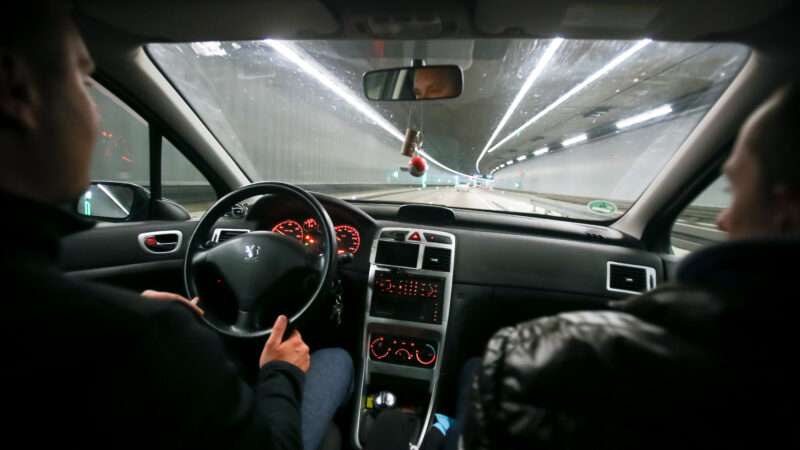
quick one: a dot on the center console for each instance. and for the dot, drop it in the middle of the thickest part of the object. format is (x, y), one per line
(408, 299)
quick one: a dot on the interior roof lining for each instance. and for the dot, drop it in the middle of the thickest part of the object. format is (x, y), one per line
(677, 20)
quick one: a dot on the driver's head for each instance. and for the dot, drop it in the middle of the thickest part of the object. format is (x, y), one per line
(764, 171)
(435, 82)
(48, 120)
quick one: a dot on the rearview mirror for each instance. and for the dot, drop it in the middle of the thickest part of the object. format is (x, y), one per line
(414, 83)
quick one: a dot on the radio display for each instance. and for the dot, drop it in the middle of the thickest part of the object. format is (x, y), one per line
(407, 297)
(413, 287)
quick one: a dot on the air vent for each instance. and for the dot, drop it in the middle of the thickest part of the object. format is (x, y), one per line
(223, 234)
(436, 259)
(629, 278)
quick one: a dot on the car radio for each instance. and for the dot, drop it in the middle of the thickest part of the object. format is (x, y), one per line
(407, 297)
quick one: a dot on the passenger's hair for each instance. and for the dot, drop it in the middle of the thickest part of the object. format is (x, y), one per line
(778, 146)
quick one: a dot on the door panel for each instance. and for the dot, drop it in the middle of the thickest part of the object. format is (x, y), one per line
(113, 254)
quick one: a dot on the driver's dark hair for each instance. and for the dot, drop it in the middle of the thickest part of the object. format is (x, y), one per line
(778, 152)
(34, 31)
(34, 28)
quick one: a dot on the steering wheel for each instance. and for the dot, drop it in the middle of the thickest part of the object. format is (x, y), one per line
(245, 282)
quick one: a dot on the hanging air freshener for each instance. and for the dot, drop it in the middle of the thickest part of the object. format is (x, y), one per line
(417, 166)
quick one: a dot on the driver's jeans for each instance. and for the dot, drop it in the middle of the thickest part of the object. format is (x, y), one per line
(328, 385)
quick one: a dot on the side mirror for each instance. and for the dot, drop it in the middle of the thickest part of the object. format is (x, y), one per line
(414, 83)
(114, 201)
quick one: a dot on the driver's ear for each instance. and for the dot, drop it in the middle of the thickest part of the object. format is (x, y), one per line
(19, 93)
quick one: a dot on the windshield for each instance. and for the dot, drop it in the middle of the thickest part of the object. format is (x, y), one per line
(568, 128)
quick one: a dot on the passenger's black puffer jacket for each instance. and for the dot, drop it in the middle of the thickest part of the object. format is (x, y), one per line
(708, 361)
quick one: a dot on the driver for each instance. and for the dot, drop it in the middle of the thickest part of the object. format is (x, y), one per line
(90, 365)
(435, 83)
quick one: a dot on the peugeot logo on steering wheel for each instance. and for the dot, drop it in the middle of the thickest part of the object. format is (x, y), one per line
(251, 252)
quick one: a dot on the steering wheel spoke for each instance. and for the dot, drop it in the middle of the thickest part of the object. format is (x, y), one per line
(245, 321)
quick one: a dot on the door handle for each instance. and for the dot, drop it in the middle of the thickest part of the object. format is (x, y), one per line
(161, 242)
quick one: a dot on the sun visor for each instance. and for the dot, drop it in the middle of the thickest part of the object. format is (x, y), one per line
(191, 20)
(584, 19)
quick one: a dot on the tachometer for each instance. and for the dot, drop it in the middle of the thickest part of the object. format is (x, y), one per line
(348, 239)
(289, 228)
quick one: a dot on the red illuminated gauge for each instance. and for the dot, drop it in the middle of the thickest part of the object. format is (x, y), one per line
(379, 348)
(312, 235)
(426, 355)
(403, 354)
(348, 239)
(310, 224)
(290, 228)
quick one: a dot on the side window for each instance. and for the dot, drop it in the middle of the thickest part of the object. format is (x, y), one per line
(123, 154)
(182, 183)
(696, 226)
(122, 151)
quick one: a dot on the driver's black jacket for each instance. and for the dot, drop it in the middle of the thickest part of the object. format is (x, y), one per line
(708, 361)
(90, 366)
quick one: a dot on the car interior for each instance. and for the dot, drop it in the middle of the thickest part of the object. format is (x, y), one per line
(201, 188)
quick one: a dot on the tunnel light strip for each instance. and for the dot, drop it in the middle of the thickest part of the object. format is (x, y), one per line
(113, 199)
(526, 86)
(336, 87)
(541, 151)
(622, 57)
(575, 140)
(522, 158)
(509, 162)
(644, 117)
(329, 81)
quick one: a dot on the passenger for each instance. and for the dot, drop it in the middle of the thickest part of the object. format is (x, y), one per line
(704, 362)
(90, 366)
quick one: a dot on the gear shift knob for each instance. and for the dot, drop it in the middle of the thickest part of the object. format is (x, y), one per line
(385, 400)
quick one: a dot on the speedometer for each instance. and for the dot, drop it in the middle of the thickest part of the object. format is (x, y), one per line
(348, 239)
(289, 228)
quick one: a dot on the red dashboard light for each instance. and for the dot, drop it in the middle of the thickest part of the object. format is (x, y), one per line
(426, 356)
(378, 348)
(414, 237)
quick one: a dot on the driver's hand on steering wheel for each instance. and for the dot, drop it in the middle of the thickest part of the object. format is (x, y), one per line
(293, 350)
(169, 296)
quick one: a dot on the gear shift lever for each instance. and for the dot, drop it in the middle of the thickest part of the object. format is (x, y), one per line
(385, 400)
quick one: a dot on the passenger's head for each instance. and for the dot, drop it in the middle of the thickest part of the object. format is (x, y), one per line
(48, 120)
(764, 171)
(435, 82)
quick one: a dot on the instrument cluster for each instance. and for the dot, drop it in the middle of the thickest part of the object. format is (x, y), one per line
(308, 233)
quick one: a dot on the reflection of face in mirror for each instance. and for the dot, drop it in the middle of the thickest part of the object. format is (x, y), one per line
(107, 201)
(435, 82)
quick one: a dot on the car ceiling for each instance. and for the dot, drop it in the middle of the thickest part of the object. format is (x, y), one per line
(192, 20)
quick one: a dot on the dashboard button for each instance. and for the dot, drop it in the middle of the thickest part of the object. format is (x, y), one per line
(396, 235)
(414, 237)
(438, 238)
